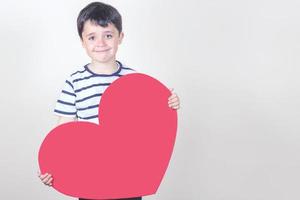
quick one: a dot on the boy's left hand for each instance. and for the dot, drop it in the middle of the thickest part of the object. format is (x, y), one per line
(173, 101)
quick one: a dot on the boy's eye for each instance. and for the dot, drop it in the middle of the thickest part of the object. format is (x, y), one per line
(91, 38)
(108, 36)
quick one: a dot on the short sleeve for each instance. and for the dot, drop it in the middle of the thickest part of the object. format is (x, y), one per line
(65, 105)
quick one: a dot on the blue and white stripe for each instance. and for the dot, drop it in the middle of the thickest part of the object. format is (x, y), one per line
(82, 91)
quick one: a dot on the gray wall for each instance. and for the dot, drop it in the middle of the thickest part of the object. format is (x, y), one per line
(234, 64)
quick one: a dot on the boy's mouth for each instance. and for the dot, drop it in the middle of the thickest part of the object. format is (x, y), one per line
(101, 51)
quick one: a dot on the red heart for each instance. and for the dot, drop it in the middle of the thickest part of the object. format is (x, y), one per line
(126, 155)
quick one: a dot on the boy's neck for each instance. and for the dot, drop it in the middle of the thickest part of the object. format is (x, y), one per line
(104, 68)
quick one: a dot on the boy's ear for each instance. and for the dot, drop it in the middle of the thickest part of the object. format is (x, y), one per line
(82, 43)
(121, 37)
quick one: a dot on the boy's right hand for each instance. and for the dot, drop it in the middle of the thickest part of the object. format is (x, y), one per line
(46, 178)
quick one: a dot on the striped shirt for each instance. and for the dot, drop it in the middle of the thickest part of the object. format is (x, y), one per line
(82, 93)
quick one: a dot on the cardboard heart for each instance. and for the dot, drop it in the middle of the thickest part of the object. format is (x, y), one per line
(126, 155)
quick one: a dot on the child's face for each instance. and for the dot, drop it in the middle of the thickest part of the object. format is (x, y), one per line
(101, 43)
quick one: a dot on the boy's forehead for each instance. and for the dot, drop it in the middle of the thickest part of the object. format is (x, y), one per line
(90, 26)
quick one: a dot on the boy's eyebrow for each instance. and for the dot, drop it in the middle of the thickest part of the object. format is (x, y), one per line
(92, 33)
(108, 31)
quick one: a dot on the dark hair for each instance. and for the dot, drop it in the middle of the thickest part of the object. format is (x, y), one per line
(101, 14)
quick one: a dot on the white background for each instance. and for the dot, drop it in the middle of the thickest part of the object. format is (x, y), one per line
(234, 64)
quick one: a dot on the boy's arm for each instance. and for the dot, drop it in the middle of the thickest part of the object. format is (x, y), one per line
(62, 120)
(47, 178)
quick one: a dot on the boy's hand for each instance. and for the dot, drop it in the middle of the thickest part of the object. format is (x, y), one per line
(46, 178)
(173, 101)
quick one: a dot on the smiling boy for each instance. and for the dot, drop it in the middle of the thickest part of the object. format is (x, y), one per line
(100, 30)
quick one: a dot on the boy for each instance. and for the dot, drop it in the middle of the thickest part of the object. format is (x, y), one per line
(100, 30)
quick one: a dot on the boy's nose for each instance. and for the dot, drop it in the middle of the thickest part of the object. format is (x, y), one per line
(100, 42)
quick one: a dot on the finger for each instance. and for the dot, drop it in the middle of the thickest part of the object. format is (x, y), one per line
(46, 181)
(42, 176)
(171, 89)
(47, 178)
(49, 182)
(172, 96)
(175, 107)
(175, 99)
(174, 103)
(170, 103)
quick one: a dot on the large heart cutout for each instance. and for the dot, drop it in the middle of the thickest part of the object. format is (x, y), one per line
(126, 155)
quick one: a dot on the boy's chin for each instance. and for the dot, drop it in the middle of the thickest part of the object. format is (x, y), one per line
(103, 60)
